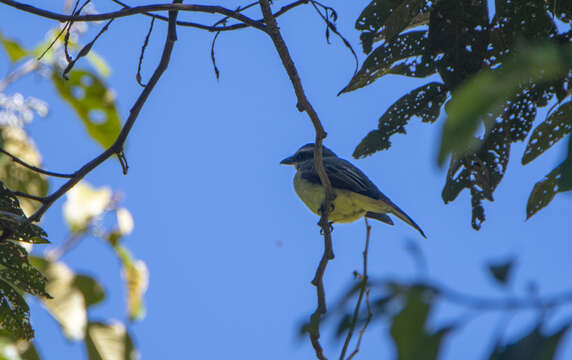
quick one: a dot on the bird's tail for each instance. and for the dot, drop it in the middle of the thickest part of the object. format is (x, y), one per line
(403, 216)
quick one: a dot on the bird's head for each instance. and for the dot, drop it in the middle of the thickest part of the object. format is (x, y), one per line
(306, 153)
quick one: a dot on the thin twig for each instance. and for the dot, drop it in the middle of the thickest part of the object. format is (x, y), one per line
(69, 25)
(362, 291)
(29, 196)
(142, 55)
(304, 105)
(364, 328)
(117, 146)
(213, 59)
(34, 168)
(84, 50)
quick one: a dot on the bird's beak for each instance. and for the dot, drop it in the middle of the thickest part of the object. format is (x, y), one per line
(288, 161)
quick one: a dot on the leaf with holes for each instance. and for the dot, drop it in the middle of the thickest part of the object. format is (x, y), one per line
(544, 191)
(565, 181)
(554, 128)
(424, 102)
(14, 313)
(488, 92)
(14, 50)
(17, 270)
(109, 342)
(379, 62)
(93, 102)
(14, 223)
(536, 345)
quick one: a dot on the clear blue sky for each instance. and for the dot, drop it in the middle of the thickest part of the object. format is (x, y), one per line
(230, 248)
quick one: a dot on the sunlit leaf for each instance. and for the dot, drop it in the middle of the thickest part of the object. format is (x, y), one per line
(487, 92)
(84, 203)
(549, 132)
(380, 62)
(93, 102)
(137, 279)
(424, 102)
(14, 50)
(16, 177)
(109, 342)
(98, 63)
(544, 191)
(12, 348)
(125, 222)
(538, 345)
(501, 271)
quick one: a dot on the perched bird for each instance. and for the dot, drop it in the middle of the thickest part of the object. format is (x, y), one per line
(356, 195)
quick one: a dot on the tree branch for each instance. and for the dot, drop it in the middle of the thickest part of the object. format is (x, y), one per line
(34, 168)
(117, 146)
(136, 10)
(304, 105)
(362, 291)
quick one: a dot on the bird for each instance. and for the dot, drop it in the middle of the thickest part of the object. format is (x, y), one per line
(356, 195)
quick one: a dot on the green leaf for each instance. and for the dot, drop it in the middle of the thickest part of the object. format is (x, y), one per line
(12, 348)
(565, 182)
(92, 291)
(544, 191)
(549, 132)
(380, 62)
(412, 340)
(93, 102)
(109, 342)
(561, 9)
(16, 177)
(487, 92)
(17, 270)
(536, 345)
(14, 313)
(424, 102)
(98, 63)
(501, 271)
(13, 49)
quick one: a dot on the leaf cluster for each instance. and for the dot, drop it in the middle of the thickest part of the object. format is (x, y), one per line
(494, 75)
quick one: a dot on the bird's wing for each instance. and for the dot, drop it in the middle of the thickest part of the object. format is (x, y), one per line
(343, 175)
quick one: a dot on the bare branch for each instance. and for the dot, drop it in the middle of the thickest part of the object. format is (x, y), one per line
(145, 43)
(117, 146)
(362, 290)
(136, 10)
(29, 196)
(364, 328)
(34, 168)
(304, 105)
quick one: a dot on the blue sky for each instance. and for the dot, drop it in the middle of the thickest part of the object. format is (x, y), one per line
(230, 248)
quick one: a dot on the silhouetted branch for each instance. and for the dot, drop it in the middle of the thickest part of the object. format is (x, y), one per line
(364, 327)
(117, 147)
(304, 105)
(362, 291)
(34, 168)
(142, 55)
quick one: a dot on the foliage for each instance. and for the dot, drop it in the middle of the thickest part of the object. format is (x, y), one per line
(495, 72)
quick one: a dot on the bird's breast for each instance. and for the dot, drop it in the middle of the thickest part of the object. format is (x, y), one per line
(348, 206)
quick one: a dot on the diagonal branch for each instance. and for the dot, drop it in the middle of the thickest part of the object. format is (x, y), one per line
(117, 147)
(304, 105)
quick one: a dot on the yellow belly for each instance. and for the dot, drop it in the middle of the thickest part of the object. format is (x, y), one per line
(348, 206)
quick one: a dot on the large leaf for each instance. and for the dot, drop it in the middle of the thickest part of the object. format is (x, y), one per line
(109, 342)
(544, 191)
(93, 102)
(17, 270)
(537, 345)
(379, 62)
(424, 102)
(554, 128)
(488, 92)
(408, 328)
